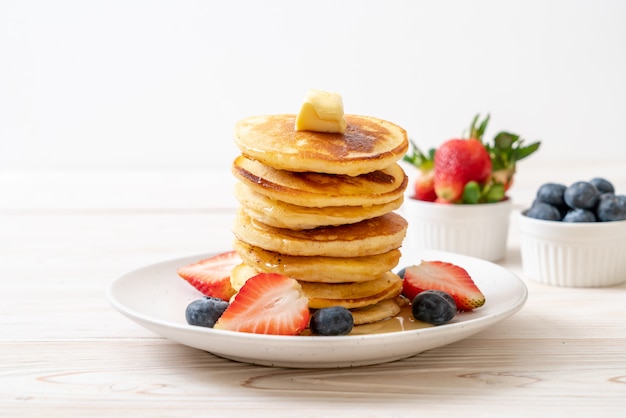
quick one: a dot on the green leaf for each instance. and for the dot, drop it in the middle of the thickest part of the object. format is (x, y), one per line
(524, 152)
(505, 140)
(418, 158)
(483, 126)
(472, 132)
(478, 132)
(497, 164)
(495, 193)
(471, 193)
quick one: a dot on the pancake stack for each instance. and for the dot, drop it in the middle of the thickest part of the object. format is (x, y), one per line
(319, 207)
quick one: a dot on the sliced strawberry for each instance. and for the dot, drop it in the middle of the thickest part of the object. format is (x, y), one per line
(211, 276)
(268, 303)
(444, 276)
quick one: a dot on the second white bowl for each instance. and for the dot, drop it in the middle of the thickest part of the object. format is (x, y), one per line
(479, 230)
(573, 254)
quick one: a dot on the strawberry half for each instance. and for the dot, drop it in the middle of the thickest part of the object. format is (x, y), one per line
(268, 303)
(211, 276)
(444, 276)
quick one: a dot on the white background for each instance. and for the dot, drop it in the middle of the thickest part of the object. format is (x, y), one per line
(147, 83)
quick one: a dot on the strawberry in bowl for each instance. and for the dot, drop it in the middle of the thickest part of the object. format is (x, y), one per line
(469, 170)
(458, 202)
(458, 163)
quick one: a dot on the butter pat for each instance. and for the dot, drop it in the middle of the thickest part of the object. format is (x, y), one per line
(321, 112)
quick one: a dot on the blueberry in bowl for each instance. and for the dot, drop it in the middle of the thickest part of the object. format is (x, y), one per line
(575, 236)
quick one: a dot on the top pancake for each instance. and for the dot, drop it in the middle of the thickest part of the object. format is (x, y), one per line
(369, 144)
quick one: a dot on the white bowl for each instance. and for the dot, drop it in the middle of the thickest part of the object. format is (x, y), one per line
(477, 230)
(573, 254)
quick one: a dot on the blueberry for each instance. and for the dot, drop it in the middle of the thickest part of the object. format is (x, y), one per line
(205, 312)
(401, 272)
(579, 215)
(336, 320)
(545, 211)
(603, 185)
(433, 306)
(611, 207)
(581, 195)
(551, 193)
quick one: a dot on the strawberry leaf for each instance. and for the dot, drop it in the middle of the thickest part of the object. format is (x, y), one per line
(471, 193)
(523, 152)
(507, 150)
(424, 162)
(505, 140)
(490, 192)
(494, 193)
(478, 132)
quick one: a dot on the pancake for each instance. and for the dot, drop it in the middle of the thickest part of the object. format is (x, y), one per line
(285, 215)
(391, 292)
(316, 268)
(311, 189)
(384, 309)
(239, 274)
(369, 144)
(350, 290)
(369, 237)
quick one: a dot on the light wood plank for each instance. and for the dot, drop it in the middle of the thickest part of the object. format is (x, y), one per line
(143, 377)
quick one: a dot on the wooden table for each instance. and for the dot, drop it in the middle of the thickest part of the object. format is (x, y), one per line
(67, 233)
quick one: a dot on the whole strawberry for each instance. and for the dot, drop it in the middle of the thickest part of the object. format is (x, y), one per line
(458, 162)
(424, 187)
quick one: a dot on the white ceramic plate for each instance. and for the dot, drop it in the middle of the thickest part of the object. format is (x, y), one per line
(156, 298)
